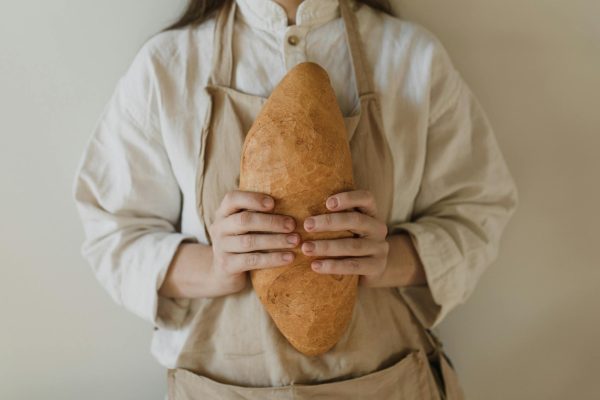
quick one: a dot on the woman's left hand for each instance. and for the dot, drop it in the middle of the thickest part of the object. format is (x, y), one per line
(365, 255)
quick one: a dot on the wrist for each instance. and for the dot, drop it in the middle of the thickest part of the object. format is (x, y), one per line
(189, 275)
(414, 270)
(213, 286)
(404, 266)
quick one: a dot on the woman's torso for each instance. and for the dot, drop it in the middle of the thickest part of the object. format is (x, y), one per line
(397, 54)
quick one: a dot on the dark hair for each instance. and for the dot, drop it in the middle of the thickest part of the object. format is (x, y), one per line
(199, 10)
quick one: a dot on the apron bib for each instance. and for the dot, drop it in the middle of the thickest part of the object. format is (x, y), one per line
(233, 349)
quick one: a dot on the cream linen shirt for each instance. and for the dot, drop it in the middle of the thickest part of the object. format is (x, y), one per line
(134, 186)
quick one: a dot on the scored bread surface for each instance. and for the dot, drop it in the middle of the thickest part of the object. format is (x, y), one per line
(297, 151)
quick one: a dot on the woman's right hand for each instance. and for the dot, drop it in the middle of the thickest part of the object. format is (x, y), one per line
(236, 251)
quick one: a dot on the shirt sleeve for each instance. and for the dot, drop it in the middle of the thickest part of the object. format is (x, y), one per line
(466, 198)
(129, 200)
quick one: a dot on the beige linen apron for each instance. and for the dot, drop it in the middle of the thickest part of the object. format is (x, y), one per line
(233, 349)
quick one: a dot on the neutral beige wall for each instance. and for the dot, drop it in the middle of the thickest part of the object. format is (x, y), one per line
(61, 336)
(529, 330)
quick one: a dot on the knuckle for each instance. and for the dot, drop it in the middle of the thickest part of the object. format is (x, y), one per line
(247, 241)
(229, 197)
(373, 204)
(330, 266)
(367, 195)
(272, 221)
(356, 244)
(250, 259)
(328, 219)
(244, 218)
(353, 264)
(327, 266)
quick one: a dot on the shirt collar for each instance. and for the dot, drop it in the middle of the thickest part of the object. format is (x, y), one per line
(269, 15)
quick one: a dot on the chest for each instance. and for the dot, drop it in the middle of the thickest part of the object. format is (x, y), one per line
(188, 106)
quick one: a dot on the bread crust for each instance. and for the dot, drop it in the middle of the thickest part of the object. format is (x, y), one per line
(297, 151)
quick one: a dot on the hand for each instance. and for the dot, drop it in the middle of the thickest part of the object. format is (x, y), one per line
(365, 255)
(236, 251)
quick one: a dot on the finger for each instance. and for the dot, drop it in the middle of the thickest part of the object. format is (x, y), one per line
(363, 200)
(251, 221)
(234, 263)
(252, 242)
(348, 266)
(354, 221)
(343, 247)
(237, 200)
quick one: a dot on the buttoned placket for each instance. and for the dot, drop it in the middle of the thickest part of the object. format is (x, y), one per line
(294, 45)
(268, 15)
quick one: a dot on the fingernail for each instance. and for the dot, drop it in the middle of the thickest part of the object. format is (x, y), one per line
(309, 223)
(293, 239)
(289, 223)
(317, 264)
(288, 257)
(308, 246)
(267, 202)
(332, 202)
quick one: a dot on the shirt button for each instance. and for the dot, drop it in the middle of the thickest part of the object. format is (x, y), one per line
(293, 40)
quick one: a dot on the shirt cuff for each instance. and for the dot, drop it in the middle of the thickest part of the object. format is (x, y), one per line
(140, 293)
(440, 258)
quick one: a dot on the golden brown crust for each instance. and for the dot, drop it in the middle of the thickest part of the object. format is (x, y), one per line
(297, 151)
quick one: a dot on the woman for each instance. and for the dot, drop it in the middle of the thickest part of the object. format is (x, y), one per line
(434, 195)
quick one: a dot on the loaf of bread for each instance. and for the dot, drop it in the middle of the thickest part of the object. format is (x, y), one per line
(297, 151)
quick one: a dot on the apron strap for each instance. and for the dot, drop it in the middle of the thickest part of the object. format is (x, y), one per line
(363, 83)
(435, 343)
(222, 60)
